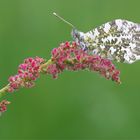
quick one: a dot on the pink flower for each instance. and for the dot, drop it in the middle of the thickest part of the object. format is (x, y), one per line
(28, 72)
(3, 106)
(69, 56)
(53, 70)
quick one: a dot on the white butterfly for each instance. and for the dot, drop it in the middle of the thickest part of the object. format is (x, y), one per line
(117, 40)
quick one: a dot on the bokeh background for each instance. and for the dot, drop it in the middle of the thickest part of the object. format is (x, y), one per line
(78, 105)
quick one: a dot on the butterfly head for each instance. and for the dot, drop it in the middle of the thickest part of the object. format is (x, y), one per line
(79, 38)
(76, 35)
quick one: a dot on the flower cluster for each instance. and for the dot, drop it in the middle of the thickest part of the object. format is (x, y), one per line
(28, 72)
(68, 56)
(3, 106)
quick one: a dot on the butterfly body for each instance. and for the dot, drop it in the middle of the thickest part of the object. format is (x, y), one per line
(117, 40)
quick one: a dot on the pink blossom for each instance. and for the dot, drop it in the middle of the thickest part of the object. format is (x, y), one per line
(69, 56)
(3, 106)
(28, 72)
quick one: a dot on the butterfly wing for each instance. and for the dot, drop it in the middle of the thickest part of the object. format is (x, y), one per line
(116, 40)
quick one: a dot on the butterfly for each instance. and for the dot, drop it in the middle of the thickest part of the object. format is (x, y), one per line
(117, 40)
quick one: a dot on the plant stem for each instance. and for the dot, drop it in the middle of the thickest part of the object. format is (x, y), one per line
(3, 90)
(45, 65)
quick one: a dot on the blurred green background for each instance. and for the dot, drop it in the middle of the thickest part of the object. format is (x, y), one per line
(78, 105)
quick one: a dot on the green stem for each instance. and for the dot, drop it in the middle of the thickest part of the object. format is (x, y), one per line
(3, 91)
(45, 65)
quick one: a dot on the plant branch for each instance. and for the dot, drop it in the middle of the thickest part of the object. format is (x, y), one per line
(3, 90)
(68, 56)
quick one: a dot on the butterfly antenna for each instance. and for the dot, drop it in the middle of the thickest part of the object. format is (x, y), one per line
(64, 20)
